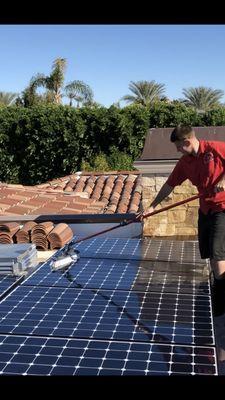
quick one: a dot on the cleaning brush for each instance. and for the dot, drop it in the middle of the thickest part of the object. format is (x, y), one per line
(69, 256)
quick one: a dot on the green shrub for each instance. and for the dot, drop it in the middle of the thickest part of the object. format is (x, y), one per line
(119, 160)
(44, 142)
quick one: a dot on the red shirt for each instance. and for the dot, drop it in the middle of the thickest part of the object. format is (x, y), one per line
(204, 171)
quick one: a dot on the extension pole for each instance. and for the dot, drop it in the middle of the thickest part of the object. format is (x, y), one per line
(140, 217)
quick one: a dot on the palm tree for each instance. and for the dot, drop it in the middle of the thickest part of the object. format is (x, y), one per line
(145, 92)
(53, 83)
(202, 98)
(80, 92)
(7, 98)
(76, 90)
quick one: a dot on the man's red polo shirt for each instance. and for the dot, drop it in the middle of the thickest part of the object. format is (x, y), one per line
(204, 171)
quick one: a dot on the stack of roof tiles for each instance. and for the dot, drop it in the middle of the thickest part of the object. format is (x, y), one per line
(7, 231)
(94, 193)
(39, 234)
(24, 234)
(45, 235)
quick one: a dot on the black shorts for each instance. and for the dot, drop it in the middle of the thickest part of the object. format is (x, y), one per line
(211, 235)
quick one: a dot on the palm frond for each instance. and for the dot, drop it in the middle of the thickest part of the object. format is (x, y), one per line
(202, 98)
(145, 92)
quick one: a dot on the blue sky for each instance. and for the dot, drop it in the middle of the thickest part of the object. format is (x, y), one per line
(108, 57)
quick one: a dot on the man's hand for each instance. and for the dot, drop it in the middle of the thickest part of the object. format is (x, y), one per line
(220, 186)
(149, 210)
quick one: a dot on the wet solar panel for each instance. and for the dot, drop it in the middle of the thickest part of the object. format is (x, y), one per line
(141, 249)
(126, 275)
(127, 307)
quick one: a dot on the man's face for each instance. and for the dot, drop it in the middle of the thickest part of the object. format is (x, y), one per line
(184, 146)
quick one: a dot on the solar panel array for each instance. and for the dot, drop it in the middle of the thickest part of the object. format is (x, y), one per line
(127, 307)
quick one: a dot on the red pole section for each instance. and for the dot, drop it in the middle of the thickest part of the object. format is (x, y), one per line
(179, 203)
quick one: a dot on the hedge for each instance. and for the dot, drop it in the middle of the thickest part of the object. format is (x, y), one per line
(49, 141)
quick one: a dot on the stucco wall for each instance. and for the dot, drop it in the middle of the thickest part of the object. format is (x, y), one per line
(178, 222)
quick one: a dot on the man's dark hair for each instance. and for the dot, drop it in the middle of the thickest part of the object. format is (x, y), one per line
(181, 132)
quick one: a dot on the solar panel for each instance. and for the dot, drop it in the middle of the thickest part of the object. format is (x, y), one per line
(7, 283)
(127, 307)
(54, 356)
(125, 275)
(105, 314)
(141, 249)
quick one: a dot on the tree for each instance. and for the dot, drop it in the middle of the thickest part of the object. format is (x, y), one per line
(53, 83)
(29, 96)
(145, 92)
(7, 98)
(201, 98)
(80, 92)
(76, 90)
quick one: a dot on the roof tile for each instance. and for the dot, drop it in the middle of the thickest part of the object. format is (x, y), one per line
(109, 192)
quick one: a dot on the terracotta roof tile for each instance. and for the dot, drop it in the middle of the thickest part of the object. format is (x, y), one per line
(18, 210)
(7, 231)
(59, 236)
(23, 235)
(118, 192)
(39, 234)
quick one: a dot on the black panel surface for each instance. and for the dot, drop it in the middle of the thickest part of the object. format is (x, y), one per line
(101, 314)
(53, 356)
(7, 283)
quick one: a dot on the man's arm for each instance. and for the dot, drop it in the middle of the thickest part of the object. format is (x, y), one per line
(163, 193)
(220, 149)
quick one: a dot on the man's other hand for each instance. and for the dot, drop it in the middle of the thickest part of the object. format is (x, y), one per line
(220, 186)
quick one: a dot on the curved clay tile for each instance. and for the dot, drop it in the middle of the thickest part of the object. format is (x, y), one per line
(122, 209)
(126, 194)
(10, 227)
(41, 244)
(5, 238)
(109, 183)
(70, 185)
(59, 236)
(135, 202)
(43, 228)
(39, 234)
(96, 194)
(111, 209)
(24, 234)
(80, 184)
(90, 183)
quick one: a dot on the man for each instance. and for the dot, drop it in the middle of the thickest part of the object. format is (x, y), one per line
(203, 163)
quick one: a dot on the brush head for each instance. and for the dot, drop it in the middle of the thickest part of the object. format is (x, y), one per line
(64, 260)
(61, 263)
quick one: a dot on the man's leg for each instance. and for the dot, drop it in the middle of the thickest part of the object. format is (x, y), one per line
(217, 261)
